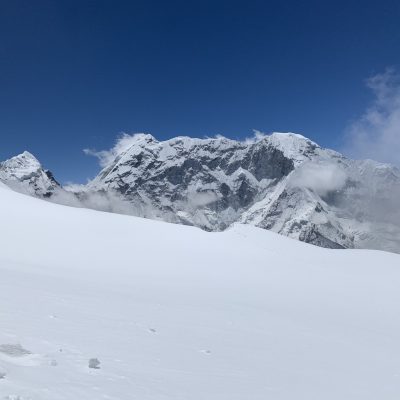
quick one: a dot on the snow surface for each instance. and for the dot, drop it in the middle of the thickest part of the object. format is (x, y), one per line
(173, 312)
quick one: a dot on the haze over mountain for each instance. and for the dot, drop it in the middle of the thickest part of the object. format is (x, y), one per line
(282, 182)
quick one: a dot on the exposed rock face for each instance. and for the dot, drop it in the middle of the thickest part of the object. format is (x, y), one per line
(282, 182)
(208, 183)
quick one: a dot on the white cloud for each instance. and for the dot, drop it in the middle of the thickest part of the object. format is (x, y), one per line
(201, 199)
(110, 201)
(376, 134)
(322, 177)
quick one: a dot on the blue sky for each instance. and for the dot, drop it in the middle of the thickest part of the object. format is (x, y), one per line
(73, 74)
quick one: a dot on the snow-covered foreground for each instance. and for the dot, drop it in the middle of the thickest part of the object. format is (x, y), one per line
(173, 312)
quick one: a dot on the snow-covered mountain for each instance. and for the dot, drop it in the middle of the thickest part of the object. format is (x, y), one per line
(175, 313)
(282, 182)
(24, 173)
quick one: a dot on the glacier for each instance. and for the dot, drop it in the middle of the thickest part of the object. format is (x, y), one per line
(175, 312)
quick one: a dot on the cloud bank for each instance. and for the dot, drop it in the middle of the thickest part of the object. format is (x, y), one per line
(376, 134)
(321, 177)
(109, 201)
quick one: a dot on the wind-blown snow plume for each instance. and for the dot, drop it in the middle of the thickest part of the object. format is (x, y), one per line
(105, 157)
(257, 136)
(376, 134)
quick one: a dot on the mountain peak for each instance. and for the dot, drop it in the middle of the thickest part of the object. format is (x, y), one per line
(21, 164)
(27, 154)
(294, 146)
(24, 173)
(138, 139)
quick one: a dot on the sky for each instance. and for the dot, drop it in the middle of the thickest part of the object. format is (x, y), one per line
(75, 74)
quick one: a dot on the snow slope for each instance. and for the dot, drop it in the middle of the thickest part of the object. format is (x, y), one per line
(174, 312)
